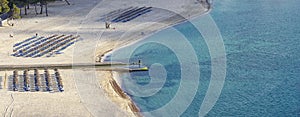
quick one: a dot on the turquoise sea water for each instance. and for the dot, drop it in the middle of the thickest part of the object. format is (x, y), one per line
(262, 41)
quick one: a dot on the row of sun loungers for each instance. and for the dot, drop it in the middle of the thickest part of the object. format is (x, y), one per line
(16, 48)
(49, 82)
(15, 81)
(17, 44)
(37, 81)
(55, 46)
(129, 18)
(41, 46)
(26, 80)
(45, 46)
(59, 80)
(114, 14)
(132, 14)
(33, 43)
(37, 48)
(125, 15)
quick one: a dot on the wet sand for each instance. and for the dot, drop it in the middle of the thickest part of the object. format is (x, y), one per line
(118, 96)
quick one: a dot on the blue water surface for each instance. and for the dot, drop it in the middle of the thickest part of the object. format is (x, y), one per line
(262, 41)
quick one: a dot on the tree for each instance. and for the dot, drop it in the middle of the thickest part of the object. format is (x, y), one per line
(4, 8)
(10, 8)
(16, 12)
(41, 5)
(34, 2)
(46, 9)
(15, 6)
(35, 8)
(25, 4)
(45, 3)
(21, 4)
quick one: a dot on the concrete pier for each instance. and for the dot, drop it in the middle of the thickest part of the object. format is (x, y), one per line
(98, 66)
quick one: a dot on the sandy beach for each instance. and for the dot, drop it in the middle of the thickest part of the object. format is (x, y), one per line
(117, 95)
(88, 92)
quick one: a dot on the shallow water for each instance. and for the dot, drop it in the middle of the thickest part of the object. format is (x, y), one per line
(263, 62)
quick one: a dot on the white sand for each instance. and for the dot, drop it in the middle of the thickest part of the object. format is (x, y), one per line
(83, 96)
(43, 103)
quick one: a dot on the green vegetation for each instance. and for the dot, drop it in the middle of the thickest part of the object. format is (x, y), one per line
(25, 4)
(4, 8)
(14, 6)
(16, 13)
